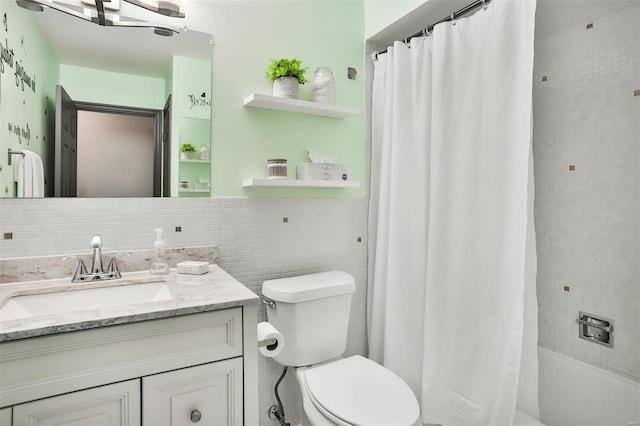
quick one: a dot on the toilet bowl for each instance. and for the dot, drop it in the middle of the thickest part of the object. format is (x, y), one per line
(312, 314)
(356, 391)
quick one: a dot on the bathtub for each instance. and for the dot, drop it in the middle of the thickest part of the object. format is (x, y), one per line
(572, 393)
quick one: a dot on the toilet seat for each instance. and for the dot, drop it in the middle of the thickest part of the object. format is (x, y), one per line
(358, 391)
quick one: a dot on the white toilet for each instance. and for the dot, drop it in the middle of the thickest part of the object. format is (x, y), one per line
(312, 314)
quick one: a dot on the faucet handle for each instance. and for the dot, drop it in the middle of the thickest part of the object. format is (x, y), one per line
(81, 269)
(112, 269)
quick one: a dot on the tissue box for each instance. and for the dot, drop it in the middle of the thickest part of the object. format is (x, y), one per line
(321, 171)
(193, 267)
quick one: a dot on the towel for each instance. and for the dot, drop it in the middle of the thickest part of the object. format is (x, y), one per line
(29, 175)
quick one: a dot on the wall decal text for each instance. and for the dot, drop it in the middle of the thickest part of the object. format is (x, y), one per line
(201, 101)
(20, 132)
(22, 77)
(6, 55)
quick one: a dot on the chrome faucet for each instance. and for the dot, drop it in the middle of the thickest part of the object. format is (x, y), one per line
(96, 245)
(97, 272)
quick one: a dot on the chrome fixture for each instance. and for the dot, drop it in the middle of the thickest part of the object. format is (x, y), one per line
(270, 303)
(271, 344)
(95, 12)
(97, 273)
(96, 245)
(195, 416)
(34, 7)
(595, 329)
(12, 152)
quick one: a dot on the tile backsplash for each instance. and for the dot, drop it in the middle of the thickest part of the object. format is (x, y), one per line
(587, 172)
(253, 241)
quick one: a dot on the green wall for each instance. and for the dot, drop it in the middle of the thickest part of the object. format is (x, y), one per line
(31, 111)
(190, 119)
(379, 14)
(92, 85)
(247, 35)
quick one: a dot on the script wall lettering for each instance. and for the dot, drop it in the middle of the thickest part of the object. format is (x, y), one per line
(199, 101)
(20, 132)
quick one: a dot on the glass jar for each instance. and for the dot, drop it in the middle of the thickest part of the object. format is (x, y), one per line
(204, 152)
(277, 168)
(323, 86)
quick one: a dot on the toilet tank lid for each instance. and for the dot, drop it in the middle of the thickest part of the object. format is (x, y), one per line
(309, 287)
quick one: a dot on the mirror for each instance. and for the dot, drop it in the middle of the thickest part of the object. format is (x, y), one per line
(118, 72)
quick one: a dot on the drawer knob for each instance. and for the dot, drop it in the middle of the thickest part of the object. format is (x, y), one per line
(196, 415)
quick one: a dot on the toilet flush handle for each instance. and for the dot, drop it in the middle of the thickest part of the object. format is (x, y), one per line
(270, 303)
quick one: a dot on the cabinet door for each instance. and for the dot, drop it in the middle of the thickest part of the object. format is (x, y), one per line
(111, 405)
(5, 417)
(209, 394)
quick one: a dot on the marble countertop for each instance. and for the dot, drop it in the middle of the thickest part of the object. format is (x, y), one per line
(190, 294)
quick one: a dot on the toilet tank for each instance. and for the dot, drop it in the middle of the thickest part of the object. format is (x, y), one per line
(312, 314)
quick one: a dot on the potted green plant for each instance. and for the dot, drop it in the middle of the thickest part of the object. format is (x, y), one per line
(286, 76)
(186, 151)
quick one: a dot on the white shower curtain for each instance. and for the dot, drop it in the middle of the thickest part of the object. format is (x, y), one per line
(451, 215)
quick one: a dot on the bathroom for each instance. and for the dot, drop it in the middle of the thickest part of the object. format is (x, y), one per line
(585, 262)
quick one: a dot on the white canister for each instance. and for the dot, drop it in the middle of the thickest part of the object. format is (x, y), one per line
(323, 86)
(277, 168)
(204, 153)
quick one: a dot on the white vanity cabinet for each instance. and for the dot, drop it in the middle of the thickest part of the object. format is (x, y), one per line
(5, 416)
(170, 371)
(209, 394)
(112, 405)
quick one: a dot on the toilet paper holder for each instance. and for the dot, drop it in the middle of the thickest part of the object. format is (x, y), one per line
(269, 343)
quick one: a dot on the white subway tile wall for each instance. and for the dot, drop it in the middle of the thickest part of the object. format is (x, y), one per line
(254, 244)
(587, 171)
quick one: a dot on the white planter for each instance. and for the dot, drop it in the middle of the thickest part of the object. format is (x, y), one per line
(286, 87)
(186, 155)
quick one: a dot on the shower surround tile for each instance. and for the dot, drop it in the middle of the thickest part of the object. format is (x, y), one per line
(588, 228)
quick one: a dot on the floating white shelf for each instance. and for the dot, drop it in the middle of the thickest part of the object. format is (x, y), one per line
(194, 190)
(298, 183)
(257, 100)
(196, 161)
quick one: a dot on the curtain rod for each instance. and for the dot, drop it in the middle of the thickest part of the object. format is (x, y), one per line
(455, 15)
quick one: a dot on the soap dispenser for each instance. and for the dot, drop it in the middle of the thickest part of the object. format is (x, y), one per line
(159, 264)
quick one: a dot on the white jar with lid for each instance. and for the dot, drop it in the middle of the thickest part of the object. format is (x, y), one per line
(204, 153)
(323, 86)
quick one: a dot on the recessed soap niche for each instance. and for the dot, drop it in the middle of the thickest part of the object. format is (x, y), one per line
(595, 329)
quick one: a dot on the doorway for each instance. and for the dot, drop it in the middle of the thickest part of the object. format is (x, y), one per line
(115, 155)
(110, 150)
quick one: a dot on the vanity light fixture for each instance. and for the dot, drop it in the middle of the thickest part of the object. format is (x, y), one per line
(163, 7)
(98, 11)
(32, 6)
(171, 8)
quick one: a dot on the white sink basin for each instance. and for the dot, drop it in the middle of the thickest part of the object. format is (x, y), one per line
(33, 305)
